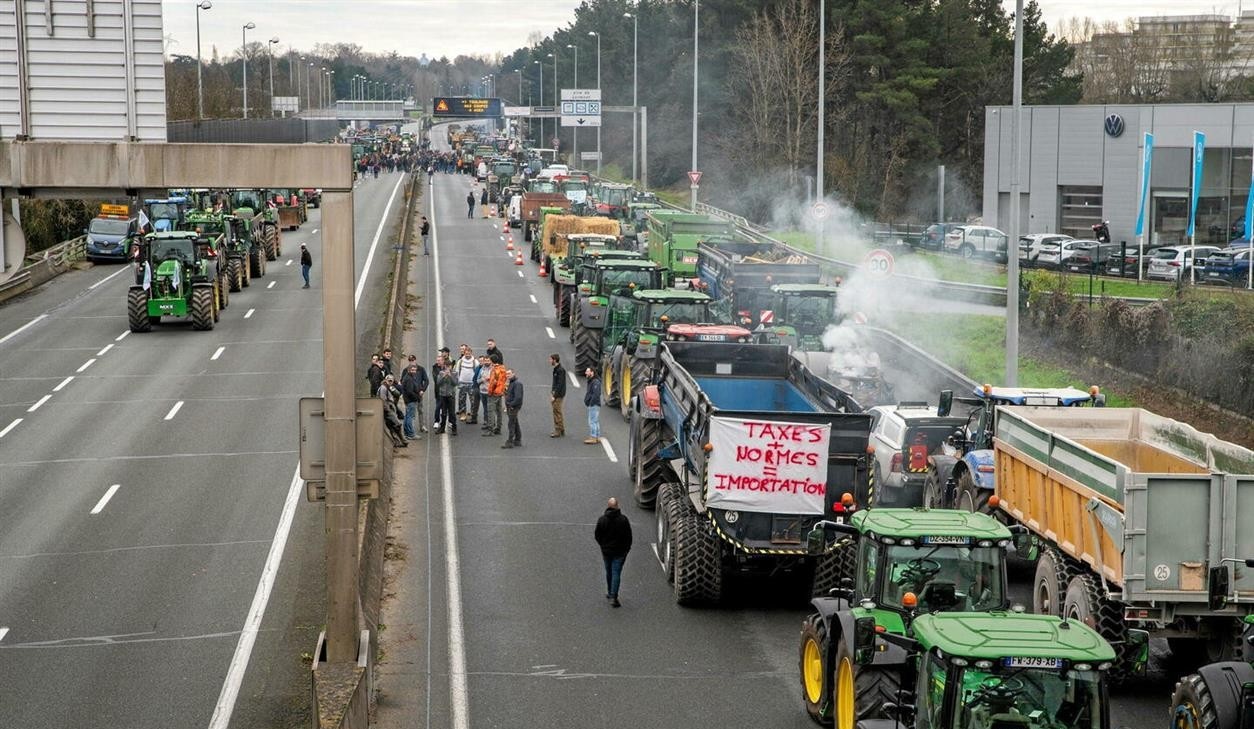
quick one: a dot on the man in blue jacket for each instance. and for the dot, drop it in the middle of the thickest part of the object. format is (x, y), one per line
(592, 400)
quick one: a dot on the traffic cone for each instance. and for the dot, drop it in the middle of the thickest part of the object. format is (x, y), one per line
(505, 227)
(509, 246)
(543, 271)
(518, 261)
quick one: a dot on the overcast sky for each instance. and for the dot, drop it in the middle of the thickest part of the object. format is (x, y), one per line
(452, 27)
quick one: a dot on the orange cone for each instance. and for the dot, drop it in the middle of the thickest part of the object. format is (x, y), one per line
(543, 271)
(518, 261)
(505, 227)
(509, 246)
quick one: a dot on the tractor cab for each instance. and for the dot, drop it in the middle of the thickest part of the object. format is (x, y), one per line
(799, 314)
(639, 319)
(611, 199)
(604, 276)
(986, 398)
(166, 213)
(247, 203)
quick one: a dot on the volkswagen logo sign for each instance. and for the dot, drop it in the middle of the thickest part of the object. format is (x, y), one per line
(1114, 125)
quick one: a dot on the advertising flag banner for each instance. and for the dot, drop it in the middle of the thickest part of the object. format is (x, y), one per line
(1199, 154)
(1147, 157)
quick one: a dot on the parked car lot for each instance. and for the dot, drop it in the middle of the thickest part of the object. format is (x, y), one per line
(1054, 255)
(1174, 263)
(1090, 255)
(1030, 246)
(970, 241)
(1229, 267)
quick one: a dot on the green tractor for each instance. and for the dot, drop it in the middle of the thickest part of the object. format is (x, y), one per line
(600, 279)
(801, 313)
(241, 255)
(252, 205)
(566, 271)
(176, 277)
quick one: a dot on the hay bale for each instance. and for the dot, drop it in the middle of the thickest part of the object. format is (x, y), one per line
(557, 227)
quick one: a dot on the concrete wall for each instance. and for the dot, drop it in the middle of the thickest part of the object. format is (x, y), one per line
(292, 130)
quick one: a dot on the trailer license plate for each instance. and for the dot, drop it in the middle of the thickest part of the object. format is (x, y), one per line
(1031, 662)
(711, 338)
(787, 530)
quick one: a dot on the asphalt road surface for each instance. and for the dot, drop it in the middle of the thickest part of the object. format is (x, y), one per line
(143, 482)
(535, 636)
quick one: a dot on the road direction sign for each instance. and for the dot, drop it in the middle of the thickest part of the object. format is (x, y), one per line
(819, 210)
(695, 178)
(878, 263)
(581, 107)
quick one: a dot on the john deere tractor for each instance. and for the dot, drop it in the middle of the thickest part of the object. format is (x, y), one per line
(252, 205)
(176, 277)
(227, 236)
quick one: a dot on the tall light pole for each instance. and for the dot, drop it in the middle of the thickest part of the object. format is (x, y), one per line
(598, 36)
(574, 148)
(308, 73)
(557, 104)
(243, 54)
(635, 68)
(200, 86)
(519, 72)
(1012, 243)
(696, 34)
(291, 71)
(270, 52)
(818, 167)
(541, 65)
(322, 75)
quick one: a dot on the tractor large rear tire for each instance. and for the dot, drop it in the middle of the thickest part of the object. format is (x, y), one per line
(933, 490)
(698, 559)
(202, 308)
(971, 497)
(1201, 704)
(647, 472)
(1085, 602)
(669, 508)
(256, 263)
(1053, 577)
(224, 292)
(610, 396)
(245, 273)
(233, 275)
(587, 347)
(562, 303)
(633, 380)
(137, 311)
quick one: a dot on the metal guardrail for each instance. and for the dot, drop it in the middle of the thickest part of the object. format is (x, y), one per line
(42, 266)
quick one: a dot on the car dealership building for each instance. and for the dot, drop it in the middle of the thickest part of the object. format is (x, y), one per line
(1082, 164)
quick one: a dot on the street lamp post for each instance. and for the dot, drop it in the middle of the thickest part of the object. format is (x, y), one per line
(557, 104)
(1012, 260)
(308, 73)
(519, 72)
(696, 34)
(598, 35)
(574, 148)
(200, 87)
(270, 52)
(322, 74)
(635, 112)
(243, 54)
(541, 65)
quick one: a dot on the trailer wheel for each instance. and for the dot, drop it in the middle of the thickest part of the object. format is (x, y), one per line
(971, 497)
(668, 508)
(1199, 701)
(1084, 602)
(647, 472)
(815, 683)
(217, 299)
(698, 560)
(202, 308)
(137, 311)
(1053, 576)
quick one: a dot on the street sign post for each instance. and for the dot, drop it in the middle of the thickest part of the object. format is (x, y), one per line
(581, 108)
(878, 263)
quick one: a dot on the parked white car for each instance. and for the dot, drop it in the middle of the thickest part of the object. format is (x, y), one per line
(969, 241)
(1030, 245)
(1170, 263)
(1055, 254)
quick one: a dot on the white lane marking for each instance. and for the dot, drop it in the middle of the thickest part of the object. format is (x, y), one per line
(289, 262)
(102, 352)
(87, 364)
(573, 380)
(106, 278)
(3, 632)
(533, 298)
(174, 410)
(315, 230)
(22, 328)
(252, 625)
(549, 331)
(271, 284)
(100, 505)
(248, 314)
(609, 451)
(456, 630)
(248, 636)
(361, 282)
(520, 274)
(38, 403)
(9, 427)
(64, 382)
(218, 353)
(502, 238)
(122, 336)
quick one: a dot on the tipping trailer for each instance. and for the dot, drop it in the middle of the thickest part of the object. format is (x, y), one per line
(738, 273)
(531, 204)
(1143, 519)
(674, 236)
(742, 451)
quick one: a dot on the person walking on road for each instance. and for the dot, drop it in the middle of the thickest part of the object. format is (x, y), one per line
(306, 263)
(413, 384)
(613, 534)
(513, 403)
(426, 233)
(445, 391)
(592, 400)
(470, 204)
(483, 200)
(556, 393)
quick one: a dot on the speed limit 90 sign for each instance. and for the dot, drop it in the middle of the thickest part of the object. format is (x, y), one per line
(878, 263)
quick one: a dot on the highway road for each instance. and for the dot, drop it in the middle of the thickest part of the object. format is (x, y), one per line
(147, 483)
(505, 606)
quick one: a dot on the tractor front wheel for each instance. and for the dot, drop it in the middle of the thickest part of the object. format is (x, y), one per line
(256, 263)
(137, 311)
(971, 497)
(202, 308)
(233, 275)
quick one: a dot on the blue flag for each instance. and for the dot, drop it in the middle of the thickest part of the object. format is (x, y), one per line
(1146, 157)
(1199, 154)
(1249, 210)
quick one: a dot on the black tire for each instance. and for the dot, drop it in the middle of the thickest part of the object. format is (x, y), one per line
(816, 684)
(1198, 703)
(971, 497)
(236, 281)
(137, 311)
(610, 396)
(218, 292)
(224, 293)
(256, 263)
(933, 491)
(830, 568)
(1053, 576)
(202, 308)
(1084, 602)
(967, 251)
(246, 277)
(698, 559)
(587, 346)
(562, 304)
(647, 472)
(669, 507)
(1223, 644)
(640, 371)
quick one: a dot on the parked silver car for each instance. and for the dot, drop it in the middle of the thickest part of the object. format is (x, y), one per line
(1171, 263)
(1055, 254)
(1030, 245)
(969, 241)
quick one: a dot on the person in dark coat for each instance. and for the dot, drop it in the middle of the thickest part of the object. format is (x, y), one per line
(470, 204)
(375, 373)
(494, 350)
(592, 401)
(414, 383)
(556, 393)
(613, 534)
(483, 200)
(306, 263)
(513, 403)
